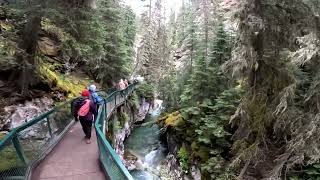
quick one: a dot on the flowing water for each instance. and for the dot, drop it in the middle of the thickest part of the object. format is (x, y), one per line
(144, 142)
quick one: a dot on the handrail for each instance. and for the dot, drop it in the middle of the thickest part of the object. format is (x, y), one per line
(118, 172)
(33, 121)
(25, 160)
(27, 151)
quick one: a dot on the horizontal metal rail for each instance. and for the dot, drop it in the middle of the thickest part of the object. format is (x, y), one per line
(110, 160)
(26, 145)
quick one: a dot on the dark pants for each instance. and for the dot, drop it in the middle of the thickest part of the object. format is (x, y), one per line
(86, 127)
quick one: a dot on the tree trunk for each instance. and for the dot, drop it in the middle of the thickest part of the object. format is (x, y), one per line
(90, 4)
(29, 43)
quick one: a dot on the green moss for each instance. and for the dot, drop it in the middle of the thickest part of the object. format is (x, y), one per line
(123, 118)
(68, 86)
(9, 159)
(116, 126)
(184, 161)
(172, 120)
(54, 31)
(134, 101)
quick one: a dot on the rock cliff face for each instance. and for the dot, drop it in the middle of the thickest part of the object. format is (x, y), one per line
(16, 115)
(173, 163)
(128, 116)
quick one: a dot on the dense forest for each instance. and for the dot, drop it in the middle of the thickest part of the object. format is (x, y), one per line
(240, 84)
(239, 78)
(56, 48)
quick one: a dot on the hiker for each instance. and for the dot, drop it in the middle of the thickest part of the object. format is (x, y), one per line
(97, 100)
(85, 111)
(121, 85)
(126, 83)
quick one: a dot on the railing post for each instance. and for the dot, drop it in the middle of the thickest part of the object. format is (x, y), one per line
(49, 127)
(105, 115)
(17, 146)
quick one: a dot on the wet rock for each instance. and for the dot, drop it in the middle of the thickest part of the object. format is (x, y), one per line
(15, 115)
(131, 167)
(121, 134)
(139, 164)
(143, 111)
(130, 160)
(170, 166)
(195, 173)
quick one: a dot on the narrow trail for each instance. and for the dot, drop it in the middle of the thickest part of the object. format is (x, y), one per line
(71, 159)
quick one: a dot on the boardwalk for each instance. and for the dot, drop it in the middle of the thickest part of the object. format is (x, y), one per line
(71, 159)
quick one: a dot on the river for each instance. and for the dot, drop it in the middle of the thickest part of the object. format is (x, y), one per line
(144, 143)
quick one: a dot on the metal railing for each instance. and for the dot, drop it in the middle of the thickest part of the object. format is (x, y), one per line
(111, 162)
(25, 146)
(28, 144)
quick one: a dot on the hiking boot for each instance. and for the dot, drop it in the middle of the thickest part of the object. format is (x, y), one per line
(88, 141)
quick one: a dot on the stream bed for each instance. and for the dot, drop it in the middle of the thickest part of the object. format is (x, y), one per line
(144, 143)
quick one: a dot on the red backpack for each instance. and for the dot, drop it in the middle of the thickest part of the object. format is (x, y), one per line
(83, 111)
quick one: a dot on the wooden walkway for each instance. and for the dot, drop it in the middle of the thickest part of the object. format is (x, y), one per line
(72, 159)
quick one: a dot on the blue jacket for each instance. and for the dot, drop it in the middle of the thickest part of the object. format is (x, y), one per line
(96, 98)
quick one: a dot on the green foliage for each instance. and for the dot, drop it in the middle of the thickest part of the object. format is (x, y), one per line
(9, 159)
(311, 172)
(145, 90)
(209, 121)
(220, 50)
(276, 125)
(134, 101)
(116, 126)
(123, 118)
(98, 41)
(183, 156)
(206, 80)
(208, 99)
(213, 169)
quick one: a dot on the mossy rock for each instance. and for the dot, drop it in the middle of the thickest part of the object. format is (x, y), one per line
(47, 46)
(63, 84)
(54, 31)
(172, 120)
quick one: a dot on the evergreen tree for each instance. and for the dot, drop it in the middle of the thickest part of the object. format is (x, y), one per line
(207, 81)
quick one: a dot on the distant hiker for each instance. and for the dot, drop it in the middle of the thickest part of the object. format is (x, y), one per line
(126, 83)
(97, 100)
(85, 111)
(121, 85)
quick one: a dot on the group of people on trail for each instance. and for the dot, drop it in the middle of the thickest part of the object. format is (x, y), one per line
(85, 109)
(122, 84)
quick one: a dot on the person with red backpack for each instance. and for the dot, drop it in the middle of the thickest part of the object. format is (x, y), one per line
(85, 111)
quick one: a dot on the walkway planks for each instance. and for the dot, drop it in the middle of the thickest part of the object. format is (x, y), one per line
(71, 159)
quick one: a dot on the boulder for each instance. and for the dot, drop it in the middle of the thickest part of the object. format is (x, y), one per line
(47, 46)
(16, 115)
